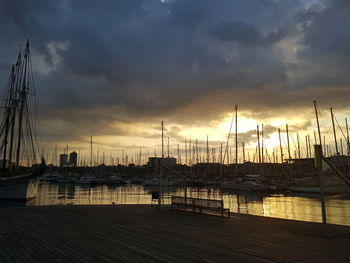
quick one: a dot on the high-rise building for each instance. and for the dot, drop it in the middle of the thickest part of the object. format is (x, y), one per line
(73, 159)
(63, 159)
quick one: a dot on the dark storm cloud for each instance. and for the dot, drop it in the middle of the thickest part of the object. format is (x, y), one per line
(246, 34)
(188, 61)
(325, 58)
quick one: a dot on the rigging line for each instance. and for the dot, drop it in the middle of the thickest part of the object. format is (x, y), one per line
(29, 127)
(295, 147)
(267, 153)
(36, 124)
(254, 155)
(340, 128)
(32, 123)
(325, 128)
(228, 137)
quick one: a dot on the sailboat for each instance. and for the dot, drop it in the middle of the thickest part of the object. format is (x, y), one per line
(19, 147)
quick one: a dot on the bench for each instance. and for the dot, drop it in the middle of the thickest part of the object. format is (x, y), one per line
(199, 205)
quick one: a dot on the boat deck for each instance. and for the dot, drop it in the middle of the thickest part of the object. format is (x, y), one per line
(137, 233)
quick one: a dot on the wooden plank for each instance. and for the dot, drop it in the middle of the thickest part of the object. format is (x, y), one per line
(148, 234)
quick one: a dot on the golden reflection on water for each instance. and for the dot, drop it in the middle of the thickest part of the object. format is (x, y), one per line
(297, 207)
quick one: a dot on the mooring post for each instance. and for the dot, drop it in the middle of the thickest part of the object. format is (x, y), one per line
(318, 166)
(161, 169)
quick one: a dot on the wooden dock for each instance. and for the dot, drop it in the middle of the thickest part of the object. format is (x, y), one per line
(148, 234)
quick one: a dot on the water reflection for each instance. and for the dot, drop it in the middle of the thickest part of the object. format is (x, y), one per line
(299, 207)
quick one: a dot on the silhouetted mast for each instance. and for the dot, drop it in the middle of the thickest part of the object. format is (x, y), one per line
(347, 136)
(185, 152)
(318, 124)
(258, 134)
(228, 139)
(17, 81)
(196, 151)
(221, 152)
(190, 152)
(341, 146)
(168, 148)
(17, 129)
(281, 149)
(289, 157)
(9, 110)
(178, 153)
(162, 140)
(91, 151)
(140, 157)
(299, 155)
(207, 149)
(315, 140)
(22, 101)
(236, 135)
(307, 147)
(334, 133)
(243, 152)
(262, 143)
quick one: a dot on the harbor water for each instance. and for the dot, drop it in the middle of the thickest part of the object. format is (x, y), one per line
(295, 206)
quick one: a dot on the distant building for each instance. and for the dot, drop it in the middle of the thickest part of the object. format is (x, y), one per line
(73, 159)
(153, 162)
(63, 159)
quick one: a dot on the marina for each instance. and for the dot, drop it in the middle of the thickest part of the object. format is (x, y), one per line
(175, 131)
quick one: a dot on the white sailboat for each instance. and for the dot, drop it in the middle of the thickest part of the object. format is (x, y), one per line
(19, 148)
(18, 188)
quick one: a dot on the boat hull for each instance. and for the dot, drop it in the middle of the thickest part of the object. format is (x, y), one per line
(18, 188)
(247, 187)
(316, 189)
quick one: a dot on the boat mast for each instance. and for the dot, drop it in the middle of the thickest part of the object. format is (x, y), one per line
(318, 124)
(9, 105)
(168, 148)
(236, 136)
(91, 151)
(185, 151)
(262, 143)
(140, 157)
(281, 150)
(190, 152)
(341, 146)
(347, 136)
(335, 135)
(162, 140)
(228, 139)
(307, 147)
(298, 145)
(288, 142)
(22, 100)
(220, 152)
(18, 72)
(196, 149)
(243, 152)
(178, 153)
(207, 149)
(258, 134)
(315, 140)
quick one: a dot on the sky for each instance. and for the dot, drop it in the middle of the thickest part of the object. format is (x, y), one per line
(116, 69)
